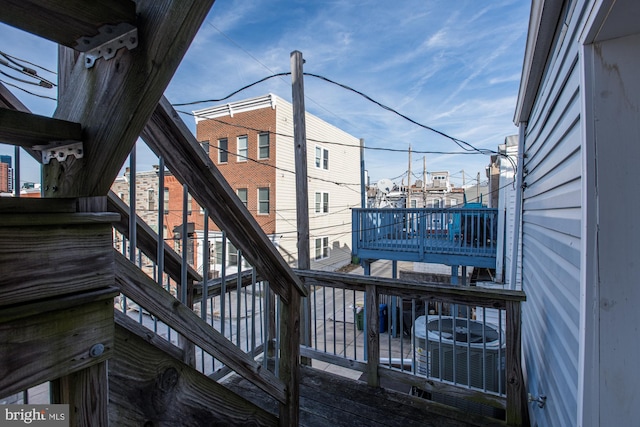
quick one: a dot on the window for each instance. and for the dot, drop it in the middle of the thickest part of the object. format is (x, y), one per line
(263, 201)
(263, 146)
(232, 254)
(223, 150)
(414, 203)
(322, 158)
(166, 199)
(189, 203)
(242, 195)
(151, 198)
(322, 202)
(243, 149)
(322, 248)
(454, 202)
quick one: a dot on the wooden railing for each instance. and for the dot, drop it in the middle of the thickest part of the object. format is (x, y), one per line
(460, 302)
(449, 236)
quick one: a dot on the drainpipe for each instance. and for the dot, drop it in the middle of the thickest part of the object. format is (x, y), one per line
(518, 209)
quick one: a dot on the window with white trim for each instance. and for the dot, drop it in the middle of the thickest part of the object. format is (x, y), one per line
(242, 195)
(263, 146)
(223, 150)
(322, 248)
(151, 199)
(322, 202)
(263, 201)
(322, 158)
(166, 199)
(243, 148)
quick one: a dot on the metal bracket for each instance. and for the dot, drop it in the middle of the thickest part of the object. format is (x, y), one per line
(60, 152)
(107, 42)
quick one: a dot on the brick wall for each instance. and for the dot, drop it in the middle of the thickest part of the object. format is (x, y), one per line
(253, 173)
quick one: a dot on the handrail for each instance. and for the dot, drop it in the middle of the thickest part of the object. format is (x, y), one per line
(136, 285)
(374, 287)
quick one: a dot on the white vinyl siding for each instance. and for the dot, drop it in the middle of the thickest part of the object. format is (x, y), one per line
(345, 168)
(551, 233)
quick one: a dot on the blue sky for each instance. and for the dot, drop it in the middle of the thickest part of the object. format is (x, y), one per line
(451, 65)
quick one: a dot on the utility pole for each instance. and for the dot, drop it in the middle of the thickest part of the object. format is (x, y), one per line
(302, 189)
(478, 198)
(408, 204)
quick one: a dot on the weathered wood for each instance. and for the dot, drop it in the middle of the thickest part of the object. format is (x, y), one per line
(168, 136)
(373, 335)
(333, 359)
(44, 346)
(513, 371)
(70, 252)
(126, 89)
(147, 240)
(29, 130)
(214, 286)
(289, 361)
(470, 295)
(148, 387)
(66, 21)
(146, 334)
(27, 205)
(144, 291)
(433, 386)
(87, 393)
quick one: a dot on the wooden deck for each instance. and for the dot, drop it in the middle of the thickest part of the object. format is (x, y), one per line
(328, 399)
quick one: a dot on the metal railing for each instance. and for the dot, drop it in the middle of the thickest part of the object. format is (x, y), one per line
(424, 231)
(454, 345)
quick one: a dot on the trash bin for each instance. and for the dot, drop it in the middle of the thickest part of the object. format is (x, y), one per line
(382, 315)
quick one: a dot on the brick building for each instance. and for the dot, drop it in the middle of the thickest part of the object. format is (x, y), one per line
(251, 142)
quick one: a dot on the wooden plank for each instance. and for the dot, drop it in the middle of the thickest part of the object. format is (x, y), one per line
(27, 205)
(148, 387)
(290, 361)
(147, 240)
(67, 258)
(513, 374)
(146, 334)
(144, 291)
(126, 90)
(168, 136)
(46, 346)
(373, 335)
(56, 219)
(470, 295)
(29, 130)
(434, 386)
(333, 359)
(231, 283)
(66, 21)
(87, 393)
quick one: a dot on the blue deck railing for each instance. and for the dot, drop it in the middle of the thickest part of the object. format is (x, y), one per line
(459, 236)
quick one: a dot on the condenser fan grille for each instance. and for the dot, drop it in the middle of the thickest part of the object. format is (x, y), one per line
(463, 330)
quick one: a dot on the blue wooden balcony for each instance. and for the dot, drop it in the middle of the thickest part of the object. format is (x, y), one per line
(452, 236)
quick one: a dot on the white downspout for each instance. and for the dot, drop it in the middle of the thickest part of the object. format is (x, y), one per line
(518, 209)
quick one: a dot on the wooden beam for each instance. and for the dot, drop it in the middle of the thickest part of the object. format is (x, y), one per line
(290, 361)
(149, 387)
(470, 295)
(45, 340)
(136, 285)
(168, 136)
(29, 205)
(67, 21)
(516, 406)
(87, 394)
(125, 90)
(147, 240)
(29, 130)
(372, 335)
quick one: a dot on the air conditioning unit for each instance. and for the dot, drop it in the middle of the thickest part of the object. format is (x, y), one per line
(477, 359)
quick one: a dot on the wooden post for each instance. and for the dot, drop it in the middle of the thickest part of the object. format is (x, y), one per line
(86, 392)
(513, 373)
(302, 189)
(373, 337)
(289, 361)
